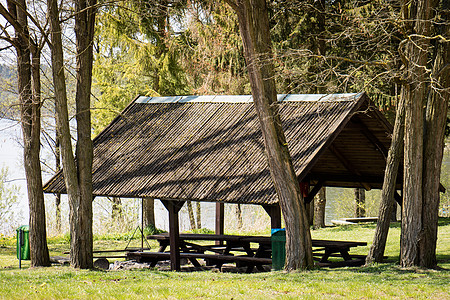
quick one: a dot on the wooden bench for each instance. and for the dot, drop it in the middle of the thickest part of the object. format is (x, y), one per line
(211, 259)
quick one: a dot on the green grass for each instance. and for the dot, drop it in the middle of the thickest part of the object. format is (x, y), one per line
(382, 281)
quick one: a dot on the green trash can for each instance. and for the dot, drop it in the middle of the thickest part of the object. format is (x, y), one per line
(23, 242)
(278, 240)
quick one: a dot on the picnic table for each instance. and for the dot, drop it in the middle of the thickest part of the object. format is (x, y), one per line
(249, 251)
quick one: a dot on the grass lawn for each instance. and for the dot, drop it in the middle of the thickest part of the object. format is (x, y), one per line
(383, 281)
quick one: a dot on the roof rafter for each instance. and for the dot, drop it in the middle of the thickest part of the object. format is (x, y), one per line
(370, 136)
(348, 165)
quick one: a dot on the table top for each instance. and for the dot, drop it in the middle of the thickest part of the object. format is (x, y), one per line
(212, 237)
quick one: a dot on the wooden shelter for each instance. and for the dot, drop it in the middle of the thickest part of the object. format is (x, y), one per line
(210, 148)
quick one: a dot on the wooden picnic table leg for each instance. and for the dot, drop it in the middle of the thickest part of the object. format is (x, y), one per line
(326, 255)
(163, 245)
(248, 249)
(194, 262)
(345, 255)
(153, 263)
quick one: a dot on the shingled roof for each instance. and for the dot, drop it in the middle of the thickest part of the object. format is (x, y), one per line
(210, 148)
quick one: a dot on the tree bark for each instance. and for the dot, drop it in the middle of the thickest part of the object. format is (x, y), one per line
(319, 209)
(360, 202)
(239, 216)
(84, 32)
(116, 210)
(149, 212)
(254, 29)
(58, 167)
(191, 214)
(62, 120)
(77, 176)
(394, 212)
(394, 158)
(414, 90)
(309, 208)
(29, 89)
(38, 236)
(435, 122)
(199, 215)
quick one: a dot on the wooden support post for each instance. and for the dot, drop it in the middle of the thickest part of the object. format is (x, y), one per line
(274, 212)
(174, 233)
(220, 220)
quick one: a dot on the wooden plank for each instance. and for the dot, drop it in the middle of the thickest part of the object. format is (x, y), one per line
(120, 250)
(348, 165)
(217, 257)
(370, 136)
(361, 219)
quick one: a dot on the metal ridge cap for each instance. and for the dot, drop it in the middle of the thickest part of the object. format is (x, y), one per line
(249, 98)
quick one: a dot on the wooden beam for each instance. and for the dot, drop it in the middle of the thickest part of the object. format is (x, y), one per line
(274, 212)
(398, 198)
(174, 232)
(348, 165)
(376, 180)
(314, 191)
(370, 136)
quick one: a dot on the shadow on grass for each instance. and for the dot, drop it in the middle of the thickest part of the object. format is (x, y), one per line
(443, 221)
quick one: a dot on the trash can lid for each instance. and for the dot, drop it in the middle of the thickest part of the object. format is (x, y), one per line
(24, 228)
(275, 230)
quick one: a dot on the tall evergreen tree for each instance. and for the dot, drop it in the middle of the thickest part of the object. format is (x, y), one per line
(136, 55)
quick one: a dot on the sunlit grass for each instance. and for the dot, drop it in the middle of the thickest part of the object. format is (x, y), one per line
(382, 281)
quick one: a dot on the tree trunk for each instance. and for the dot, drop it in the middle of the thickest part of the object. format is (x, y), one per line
(199, 215)
(254, 29)
(319, 209)
(62, 120)
(394, 158)
(78, 177)
(116, 210)
(191, 214)
(58, 167)
(84, 32)
(29, 89)
(239, 216)
(435, 122)
(360, 202)
(38, 236)
(149, 212)
(309, 207)
(394, 212)
(414, 90)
